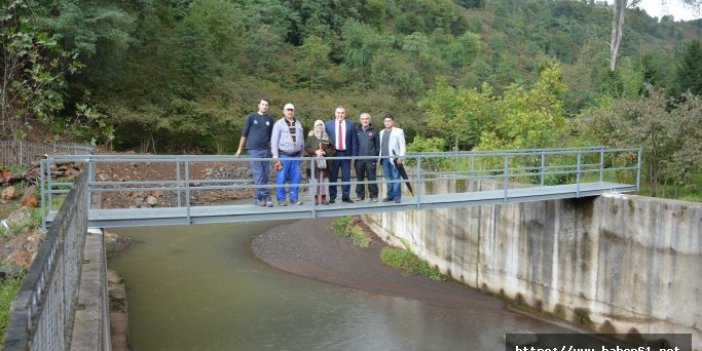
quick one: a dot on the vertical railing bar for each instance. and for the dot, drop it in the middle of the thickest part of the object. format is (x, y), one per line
(419, 182)
(178, 182)
(577, 181)
(543, 165)
(89, 185)
(638, 170)
(313, 185)
(506, 180)
(49, 187)
(44, 211)
(602, 164)
(472, 165)
(187, 190)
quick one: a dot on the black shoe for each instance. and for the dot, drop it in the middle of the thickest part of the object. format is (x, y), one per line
(331, 201)
(387, 199)
(347, 200)
(360, 198)
(397, 201)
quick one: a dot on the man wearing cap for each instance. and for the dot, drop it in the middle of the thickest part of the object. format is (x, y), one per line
(287, 142)
(343, 136)
(257, 137)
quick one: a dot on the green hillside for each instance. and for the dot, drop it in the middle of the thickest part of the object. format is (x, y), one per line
(179, 75)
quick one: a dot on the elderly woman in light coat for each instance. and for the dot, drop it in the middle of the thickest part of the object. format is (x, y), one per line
(318, 145)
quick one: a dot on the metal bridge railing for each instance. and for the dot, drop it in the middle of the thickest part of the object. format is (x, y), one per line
(41, 316)
(180, 179)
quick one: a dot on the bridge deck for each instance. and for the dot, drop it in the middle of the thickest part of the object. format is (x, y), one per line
(109, 218)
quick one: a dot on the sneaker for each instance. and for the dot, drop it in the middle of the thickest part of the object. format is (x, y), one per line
(397, 201)
(374, 199)
(269, 203)
(282, 203)
(299, 202)
(360, 198)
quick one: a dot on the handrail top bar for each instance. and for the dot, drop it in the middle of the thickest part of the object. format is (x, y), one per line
(199, 158)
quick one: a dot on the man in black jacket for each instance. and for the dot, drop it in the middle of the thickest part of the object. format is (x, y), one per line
(368, 145)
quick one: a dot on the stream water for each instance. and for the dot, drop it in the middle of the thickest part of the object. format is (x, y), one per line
(201, 288)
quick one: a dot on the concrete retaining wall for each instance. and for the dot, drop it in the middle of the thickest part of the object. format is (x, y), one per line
(612, 264)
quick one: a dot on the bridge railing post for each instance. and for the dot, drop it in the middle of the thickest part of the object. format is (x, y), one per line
(49, 186)
(577, 175)
(601, 164)
(543, 164)
(472, 166)
(419, 182)
(506, 175)
(187, 190)
(638, 170)
(89, 184)
(179, 184)
(42, 184)
(313, 184)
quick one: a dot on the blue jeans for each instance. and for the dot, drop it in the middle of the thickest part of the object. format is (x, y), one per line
(391, 174)
(291, 172)
(261, 172)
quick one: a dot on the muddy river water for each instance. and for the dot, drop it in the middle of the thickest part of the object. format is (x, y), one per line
(201, 287)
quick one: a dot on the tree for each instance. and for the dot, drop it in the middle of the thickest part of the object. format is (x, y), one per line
(459, 115)
(313, 63)
(529, 118)
(669, 132)
(618, 11)
(689, 70)
(34, 68)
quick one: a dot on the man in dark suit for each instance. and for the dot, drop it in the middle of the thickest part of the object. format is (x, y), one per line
(343, 135)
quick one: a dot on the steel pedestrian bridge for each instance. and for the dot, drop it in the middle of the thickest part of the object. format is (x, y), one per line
(155, 190)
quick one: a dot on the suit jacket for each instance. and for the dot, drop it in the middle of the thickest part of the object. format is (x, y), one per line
(349, 135)
(396, 144)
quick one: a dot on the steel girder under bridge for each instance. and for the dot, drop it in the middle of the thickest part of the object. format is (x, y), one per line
(156, 190)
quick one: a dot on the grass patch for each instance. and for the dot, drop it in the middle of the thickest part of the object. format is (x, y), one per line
(344, 226)
(8, 291)
(339, 225)
(410, 263)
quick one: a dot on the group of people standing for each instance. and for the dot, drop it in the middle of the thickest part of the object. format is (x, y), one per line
(331, 144)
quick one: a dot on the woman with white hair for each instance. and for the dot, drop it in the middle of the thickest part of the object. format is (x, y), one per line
(318, 145)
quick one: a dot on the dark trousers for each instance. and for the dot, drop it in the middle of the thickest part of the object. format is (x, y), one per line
(366, 168)
(345, 166)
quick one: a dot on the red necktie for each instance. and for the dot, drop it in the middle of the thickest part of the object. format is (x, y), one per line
(340, 135)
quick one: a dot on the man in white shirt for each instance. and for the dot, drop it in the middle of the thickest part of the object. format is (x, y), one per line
(392, 151)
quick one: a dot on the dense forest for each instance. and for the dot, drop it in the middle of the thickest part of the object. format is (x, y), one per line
(180, 75)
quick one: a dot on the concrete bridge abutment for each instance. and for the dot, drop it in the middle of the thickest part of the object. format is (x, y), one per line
(613, 264)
